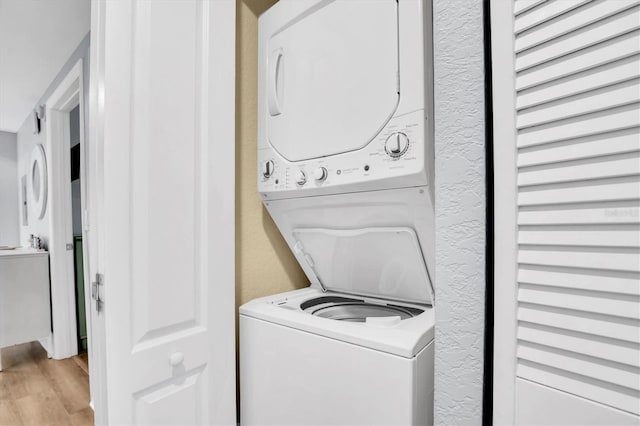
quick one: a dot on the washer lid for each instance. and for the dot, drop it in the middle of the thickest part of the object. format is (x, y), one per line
(331, 78)
(380, 262)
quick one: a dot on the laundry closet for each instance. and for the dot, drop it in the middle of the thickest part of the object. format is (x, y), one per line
(345, 169)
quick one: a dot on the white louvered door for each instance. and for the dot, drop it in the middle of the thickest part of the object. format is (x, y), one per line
(567, 153)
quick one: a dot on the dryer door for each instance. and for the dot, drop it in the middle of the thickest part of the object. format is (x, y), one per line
(332, 78)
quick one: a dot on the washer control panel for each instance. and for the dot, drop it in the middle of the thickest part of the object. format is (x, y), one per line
(398, 150)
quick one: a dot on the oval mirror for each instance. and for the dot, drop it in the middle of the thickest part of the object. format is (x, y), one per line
(38, 181)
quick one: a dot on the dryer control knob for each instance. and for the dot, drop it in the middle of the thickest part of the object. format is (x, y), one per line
(267, 171)
(301, 177)
(396, 144)
(320, 174)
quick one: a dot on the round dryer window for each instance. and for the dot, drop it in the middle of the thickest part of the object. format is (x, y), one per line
(332, 78)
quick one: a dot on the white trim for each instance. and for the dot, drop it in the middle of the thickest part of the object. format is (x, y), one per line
(221, 302)
(95, 199)
(67, 95)
(505, 213)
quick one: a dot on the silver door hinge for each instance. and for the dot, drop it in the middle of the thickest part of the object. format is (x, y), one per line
(70, 246)
(97, 292)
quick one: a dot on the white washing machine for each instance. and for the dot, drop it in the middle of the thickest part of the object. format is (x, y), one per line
(345, 168)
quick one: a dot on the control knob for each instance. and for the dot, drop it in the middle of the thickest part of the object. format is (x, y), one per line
(301, 177)
(268, 169)
(320, 174)
(396, 144)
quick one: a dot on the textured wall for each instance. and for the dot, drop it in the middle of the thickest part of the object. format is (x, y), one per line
(460, 211)
(264, 263)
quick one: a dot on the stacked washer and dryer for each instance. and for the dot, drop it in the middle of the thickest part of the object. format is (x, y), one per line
(345, 158)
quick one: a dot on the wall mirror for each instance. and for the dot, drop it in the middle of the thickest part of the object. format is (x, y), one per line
(38, 181)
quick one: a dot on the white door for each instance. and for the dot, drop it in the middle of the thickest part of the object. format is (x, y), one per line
(163, 90)
(567, 171)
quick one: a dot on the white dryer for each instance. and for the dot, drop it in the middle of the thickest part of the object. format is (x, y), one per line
(345, 168)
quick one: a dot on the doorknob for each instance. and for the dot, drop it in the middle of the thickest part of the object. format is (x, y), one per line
(176, 359)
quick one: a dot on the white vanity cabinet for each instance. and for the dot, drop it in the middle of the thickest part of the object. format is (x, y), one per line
(25, 307)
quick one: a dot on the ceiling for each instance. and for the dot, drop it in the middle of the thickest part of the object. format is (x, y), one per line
(36, 39)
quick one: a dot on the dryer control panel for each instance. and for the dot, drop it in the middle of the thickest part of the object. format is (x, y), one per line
(398, 151)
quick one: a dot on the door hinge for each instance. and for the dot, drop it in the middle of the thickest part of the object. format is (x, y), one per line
(97, 292)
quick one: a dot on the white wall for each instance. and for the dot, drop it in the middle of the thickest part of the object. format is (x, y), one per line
(9, 203)
(460, 211)
(27, 140)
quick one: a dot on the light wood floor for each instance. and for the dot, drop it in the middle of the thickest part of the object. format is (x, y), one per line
(35, 390)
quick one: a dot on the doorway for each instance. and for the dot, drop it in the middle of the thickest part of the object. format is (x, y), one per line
(76, 219)
(70, 285)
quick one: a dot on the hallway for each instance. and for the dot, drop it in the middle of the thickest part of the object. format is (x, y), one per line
(37, 390)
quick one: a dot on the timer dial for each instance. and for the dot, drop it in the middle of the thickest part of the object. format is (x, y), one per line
(396, 144)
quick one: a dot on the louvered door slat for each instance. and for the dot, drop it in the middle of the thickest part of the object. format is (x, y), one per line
(586, 125)
(610, 260)
(582, 60)
(579, 300)
(581, 235)
(579, 192)
(591, 79)
(571, 21)
(545, 12)
(594, 213)
(601, 99)
(616, 165)
(581, 343)
(606, 371)
(524, 5)
(616, 282)
(581, 322)
(600, 31)
(611, 143)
